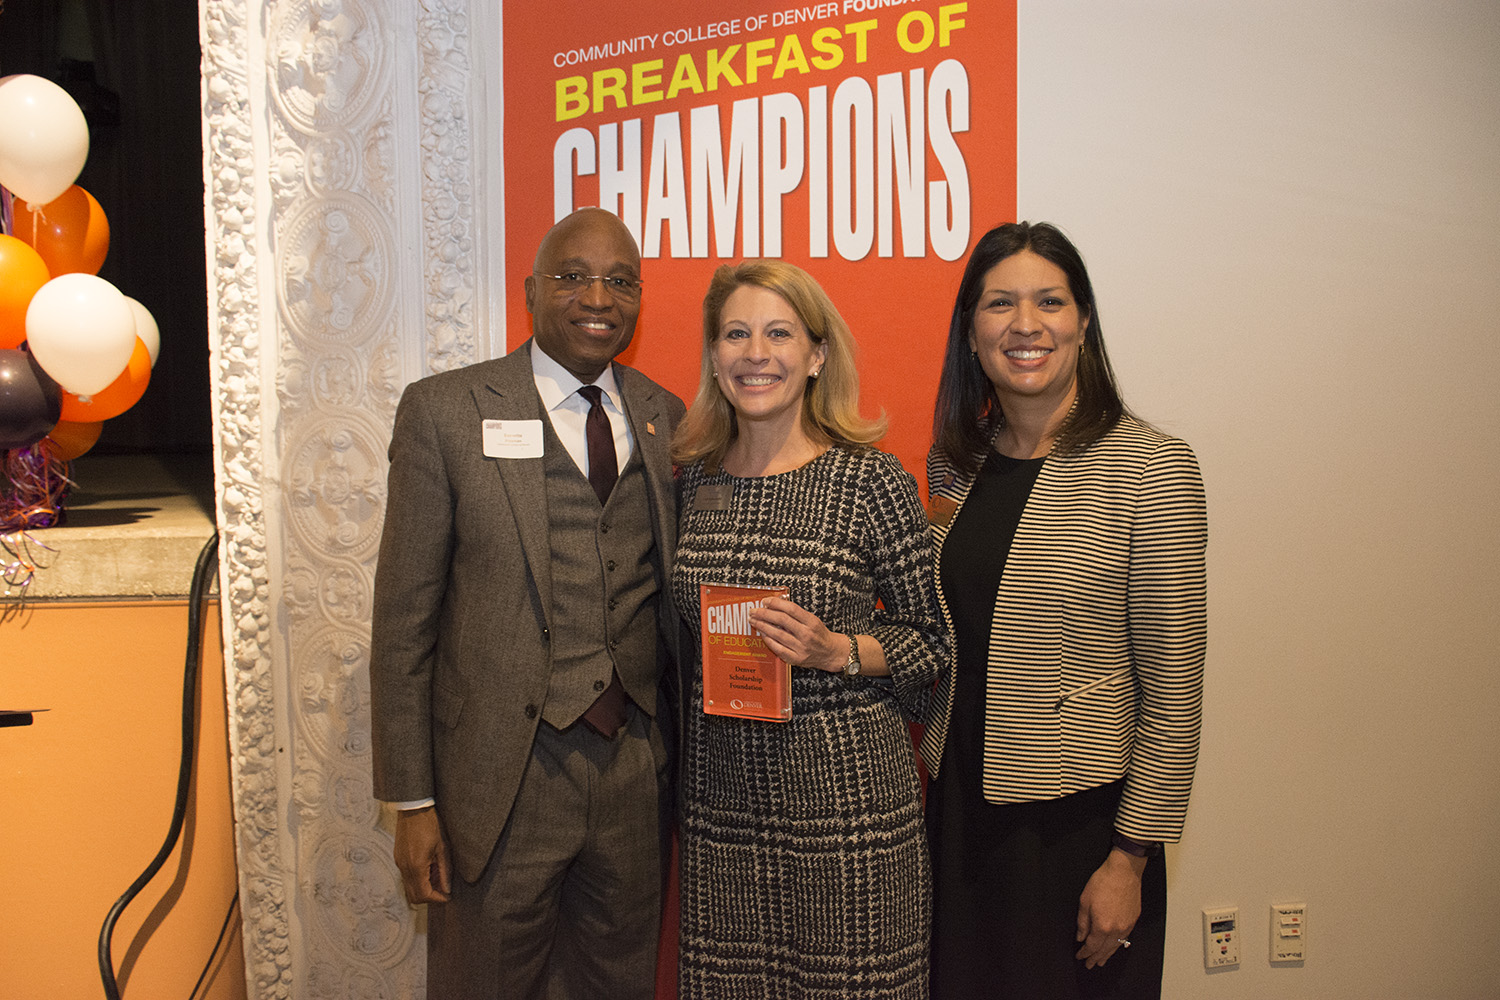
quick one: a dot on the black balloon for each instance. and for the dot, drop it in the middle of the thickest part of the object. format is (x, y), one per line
(30, 401)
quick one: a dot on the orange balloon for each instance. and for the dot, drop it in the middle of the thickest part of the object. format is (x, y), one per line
(22, 272)
(69, 440)
(70, 231)
(119, 396)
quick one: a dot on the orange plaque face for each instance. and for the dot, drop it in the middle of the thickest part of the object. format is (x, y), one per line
(741, 677)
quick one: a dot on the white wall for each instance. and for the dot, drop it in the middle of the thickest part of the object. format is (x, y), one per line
(1291, 212)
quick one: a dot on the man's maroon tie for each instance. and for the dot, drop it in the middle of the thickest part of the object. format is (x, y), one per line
(604, 468)
(606, 715)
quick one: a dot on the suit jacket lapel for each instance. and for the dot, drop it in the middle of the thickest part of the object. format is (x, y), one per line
(643, 410)
(509, 393)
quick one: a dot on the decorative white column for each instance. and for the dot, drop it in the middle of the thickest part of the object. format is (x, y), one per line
(343, 255)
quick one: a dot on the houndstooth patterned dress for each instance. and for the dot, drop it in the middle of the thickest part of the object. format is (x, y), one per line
(804, 863)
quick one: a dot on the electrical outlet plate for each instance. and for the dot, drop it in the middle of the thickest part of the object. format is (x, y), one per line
(1221, 937)
(1288, 932)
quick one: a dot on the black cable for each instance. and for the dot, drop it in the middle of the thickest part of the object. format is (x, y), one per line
(214, 953)
(202, 576)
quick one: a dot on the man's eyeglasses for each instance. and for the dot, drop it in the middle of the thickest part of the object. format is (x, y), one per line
(574, 283)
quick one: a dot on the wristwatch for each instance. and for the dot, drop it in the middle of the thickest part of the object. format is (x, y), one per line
(851, 668)
(1133, 847)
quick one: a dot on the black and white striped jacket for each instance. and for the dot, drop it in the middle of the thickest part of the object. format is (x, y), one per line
(1095, 667)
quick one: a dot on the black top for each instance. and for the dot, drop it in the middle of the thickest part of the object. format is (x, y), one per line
(972, 561)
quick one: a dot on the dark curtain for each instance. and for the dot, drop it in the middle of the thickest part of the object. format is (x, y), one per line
(134, 70)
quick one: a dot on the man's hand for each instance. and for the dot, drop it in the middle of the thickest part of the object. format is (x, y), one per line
(1109, 907)
(422, 855)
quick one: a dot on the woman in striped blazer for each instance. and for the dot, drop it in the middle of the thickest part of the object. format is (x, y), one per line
(1069, 539)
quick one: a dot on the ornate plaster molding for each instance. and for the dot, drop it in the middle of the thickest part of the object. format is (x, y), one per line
(309, 106)
(244, 581)
(447, 81)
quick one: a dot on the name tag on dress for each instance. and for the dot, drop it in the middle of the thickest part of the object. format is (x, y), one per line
(512, 439)
(713, 496)
(940, 510)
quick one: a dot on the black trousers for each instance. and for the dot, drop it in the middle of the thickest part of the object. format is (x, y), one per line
(1006, 882)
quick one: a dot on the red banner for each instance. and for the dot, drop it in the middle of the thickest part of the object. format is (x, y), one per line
(869, 141)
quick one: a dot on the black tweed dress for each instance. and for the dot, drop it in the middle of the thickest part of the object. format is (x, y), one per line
(804, 861)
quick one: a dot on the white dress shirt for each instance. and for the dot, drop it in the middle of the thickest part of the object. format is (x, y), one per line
(568, 411)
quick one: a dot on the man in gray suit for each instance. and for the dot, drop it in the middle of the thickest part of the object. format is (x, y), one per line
(521, 631)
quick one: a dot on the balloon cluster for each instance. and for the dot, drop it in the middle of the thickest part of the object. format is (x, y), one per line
(74, 350)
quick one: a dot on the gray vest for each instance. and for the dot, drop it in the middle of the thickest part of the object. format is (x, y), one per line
(604, 586)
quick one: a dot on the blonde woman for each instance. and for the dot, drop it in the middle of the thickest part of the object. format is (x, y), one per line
(804, 864)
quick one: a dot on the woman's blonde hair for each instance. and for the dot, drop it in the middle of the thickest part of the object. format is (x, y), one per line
(830, 403)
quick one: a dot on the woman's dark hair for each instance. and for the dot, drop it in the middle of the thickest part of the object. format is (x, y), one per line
(968, 411)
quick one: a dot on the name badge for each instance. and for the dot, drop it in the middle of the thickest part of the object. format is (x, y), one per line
(512, 439)
(713, 496)
(940, 510)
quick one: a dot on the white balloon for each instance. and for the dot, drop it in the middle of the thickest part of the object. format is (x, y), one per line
(146, 328)
(44, 138)
(81, 330)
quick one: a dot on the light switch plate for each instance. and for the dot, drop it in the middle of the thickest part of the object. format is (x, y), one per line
(1288, 932)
